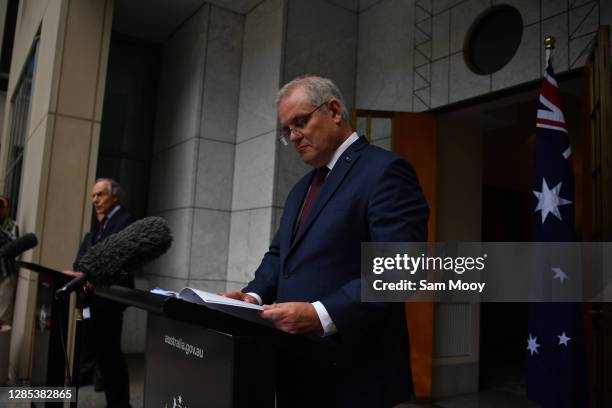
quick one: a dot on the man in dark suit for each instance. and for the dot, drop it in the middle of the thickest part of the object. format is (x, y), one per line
(309, 280)
(107, 316)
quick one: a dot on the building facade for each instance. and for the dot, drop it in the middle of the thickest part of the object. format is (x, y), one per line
(177, 101)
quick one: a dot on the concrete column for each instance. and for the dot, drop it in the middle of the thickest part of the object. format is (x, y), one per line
(61, 143)
(193, 158)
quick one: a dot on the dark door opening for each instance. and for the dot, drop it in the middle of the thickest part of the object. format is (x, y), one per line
(508, 214)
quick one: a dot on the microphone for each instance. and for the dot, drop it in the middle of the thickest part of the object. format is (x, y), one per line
(112, 259)
(18, 246)
(10, 249)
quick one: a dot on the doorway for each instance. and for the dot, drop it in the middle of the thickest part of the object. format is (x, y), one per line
(502, 126)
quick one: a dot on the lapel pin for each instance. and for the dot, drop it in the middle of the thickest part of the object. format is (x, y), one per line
(347, 158)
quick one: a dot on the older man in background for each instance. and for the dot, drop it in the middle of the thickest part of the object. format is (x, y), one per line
(104, 335)
(9, 231)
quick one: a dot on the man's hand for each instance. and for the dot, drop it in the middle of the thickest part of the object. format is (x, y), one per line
(87, 286)
(239, 296)
(72, 273)
(294, 317)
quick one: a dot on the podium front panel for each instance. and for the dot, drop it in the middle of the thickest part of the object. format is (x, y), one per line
(188, 365)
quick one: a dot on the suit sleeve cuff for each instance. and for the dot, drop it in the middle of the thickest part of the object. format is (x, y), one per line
(256, 296)
(327, 323)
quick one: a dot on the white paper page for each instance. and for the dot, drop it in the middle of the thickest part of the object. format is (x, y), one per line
(201, 296)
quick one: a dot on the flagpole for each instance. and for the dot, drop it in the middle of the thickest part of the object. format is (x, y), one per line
(549, 45)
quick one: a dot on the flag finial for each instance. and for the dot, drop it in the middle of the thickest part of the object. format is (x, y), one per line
(549, 42)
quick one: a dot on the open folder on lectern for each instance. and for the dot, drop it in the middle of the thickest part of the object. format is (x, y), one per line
(238, 308)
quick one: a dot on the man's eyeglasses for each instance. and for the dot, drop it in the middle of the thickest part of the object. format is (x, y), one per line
(299, 123)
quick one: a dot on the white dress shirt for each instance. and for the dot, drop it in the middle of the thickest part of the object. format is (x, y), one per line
(326, 322)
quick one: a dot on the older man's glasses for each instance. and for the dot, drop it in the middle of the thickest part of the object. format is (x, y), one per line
(299, 123)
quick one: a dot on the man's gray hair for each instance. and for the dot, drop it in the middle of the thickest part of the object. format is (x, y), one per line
(114, 187)
(319, 91)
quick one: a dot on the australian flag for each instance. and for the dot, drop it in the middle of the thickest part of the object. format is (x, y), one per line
(556, 363)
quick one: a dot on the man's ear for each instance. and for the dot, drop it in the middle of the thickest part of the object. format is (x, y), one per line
(334, 107)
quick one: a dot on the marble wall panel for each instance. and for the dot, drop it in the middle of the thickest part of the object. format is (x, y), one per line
(180, 83)
(289, 170)
(384, 57)
(260, 75)
(442, 5)
(439, 82)
(381, 128)
(579, 50)
(583, 19)
(525, 65)
(557, 27)
(421, 100)
(321, 39)
(277, 214)
(222, 76)
(209, 244)
(259, 236)
(208, 285)
(249, 240)
(422, 79)
(81, 60)
(166, 283)
(349, 5)
(553, 7)
(463, 16)
(529, 9)
(463, 83)
(61, 229)
(366, 4)
(254, 170)
(175, 262)
(215, 174)
(384, 143)
(238, 252)
(362, 125)
(440, 35)
(173, 177)
(233, 286)
(237, 6)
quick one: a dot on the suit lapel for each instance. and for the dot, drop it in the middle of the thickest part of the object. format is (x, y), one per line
(293, 211)
(335, 178)
(111, 224)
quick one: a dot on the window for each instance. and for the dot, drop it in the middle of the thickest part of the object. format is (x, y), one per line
(20, 116)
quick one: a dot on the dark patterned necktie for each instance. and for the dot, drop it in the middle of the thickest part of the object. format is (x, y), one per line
(313, 192)
(101, 226)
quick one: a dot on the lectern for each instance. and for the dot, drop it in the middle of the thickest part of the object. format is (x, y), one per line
(206, 356)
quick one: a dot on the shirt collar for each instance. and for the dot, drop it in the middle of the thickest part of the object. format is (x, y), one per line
(345, 145)
(112, 212)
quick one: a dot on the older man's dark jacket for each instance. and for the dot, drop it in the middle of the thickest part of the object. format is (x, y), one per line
(121, 219)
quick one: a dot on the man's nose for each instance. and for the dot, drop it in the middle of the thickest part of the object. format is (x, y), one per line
(294, 135)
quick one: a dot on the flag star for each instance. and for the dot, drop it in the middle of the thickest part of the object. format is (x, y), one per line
(549, 200)
(559, 274)
(532, 344)
(563, 339)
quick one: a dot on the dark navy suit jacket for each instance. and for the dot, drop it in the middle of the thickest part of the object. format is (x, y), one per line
(121, 219)
(370, 195)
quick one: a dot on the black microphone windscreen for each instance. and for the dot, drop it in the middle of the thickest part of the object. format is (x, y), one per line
(7, 265)
(111, 259)
(18, 246)
(4, 239)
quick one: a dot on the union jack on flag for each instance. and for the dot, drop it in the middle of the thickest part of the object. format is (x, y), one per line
(556, 361)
